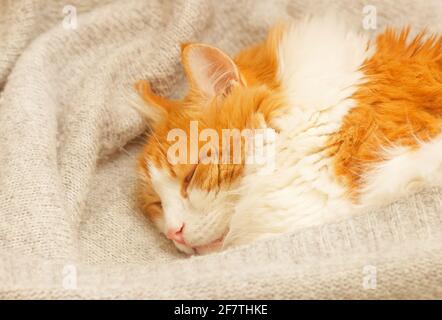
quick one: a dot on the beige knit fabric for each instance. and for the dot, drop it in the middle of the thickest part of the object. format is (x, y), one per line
(69, 226)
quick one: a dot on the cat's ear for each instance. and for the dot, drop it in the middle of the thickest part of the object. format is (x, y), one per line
(209, 70)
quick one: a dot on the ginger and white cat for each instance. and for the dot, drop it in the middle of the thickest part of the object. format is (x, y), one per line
(358, 125)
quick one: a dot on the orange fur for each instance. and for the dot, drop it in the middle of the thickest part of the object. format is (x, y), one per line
(399, 104)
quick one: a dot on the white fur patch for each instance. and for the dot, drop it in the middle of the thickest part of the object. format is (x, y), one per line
(318, 67)
(404, 171)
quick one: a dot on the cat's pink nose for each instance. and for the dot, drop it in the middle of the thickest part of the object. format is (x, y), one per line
(176, 234)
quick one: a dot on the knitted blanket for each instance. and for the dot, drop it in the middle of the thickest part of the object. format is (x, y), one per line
(69, 223)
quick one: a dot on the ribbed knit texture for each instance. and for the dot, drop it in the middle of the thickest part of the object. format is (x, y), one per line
(69, 140)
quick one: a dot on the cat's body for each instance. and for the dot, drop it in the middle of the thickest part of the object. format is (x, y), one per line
(358, 125)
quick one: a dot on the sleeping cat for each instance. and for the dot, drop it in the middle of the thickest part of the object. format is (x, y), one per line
(357, 124)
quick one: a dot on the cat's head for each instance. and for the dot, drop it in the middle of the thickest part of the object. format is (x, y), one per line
(190, 175)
